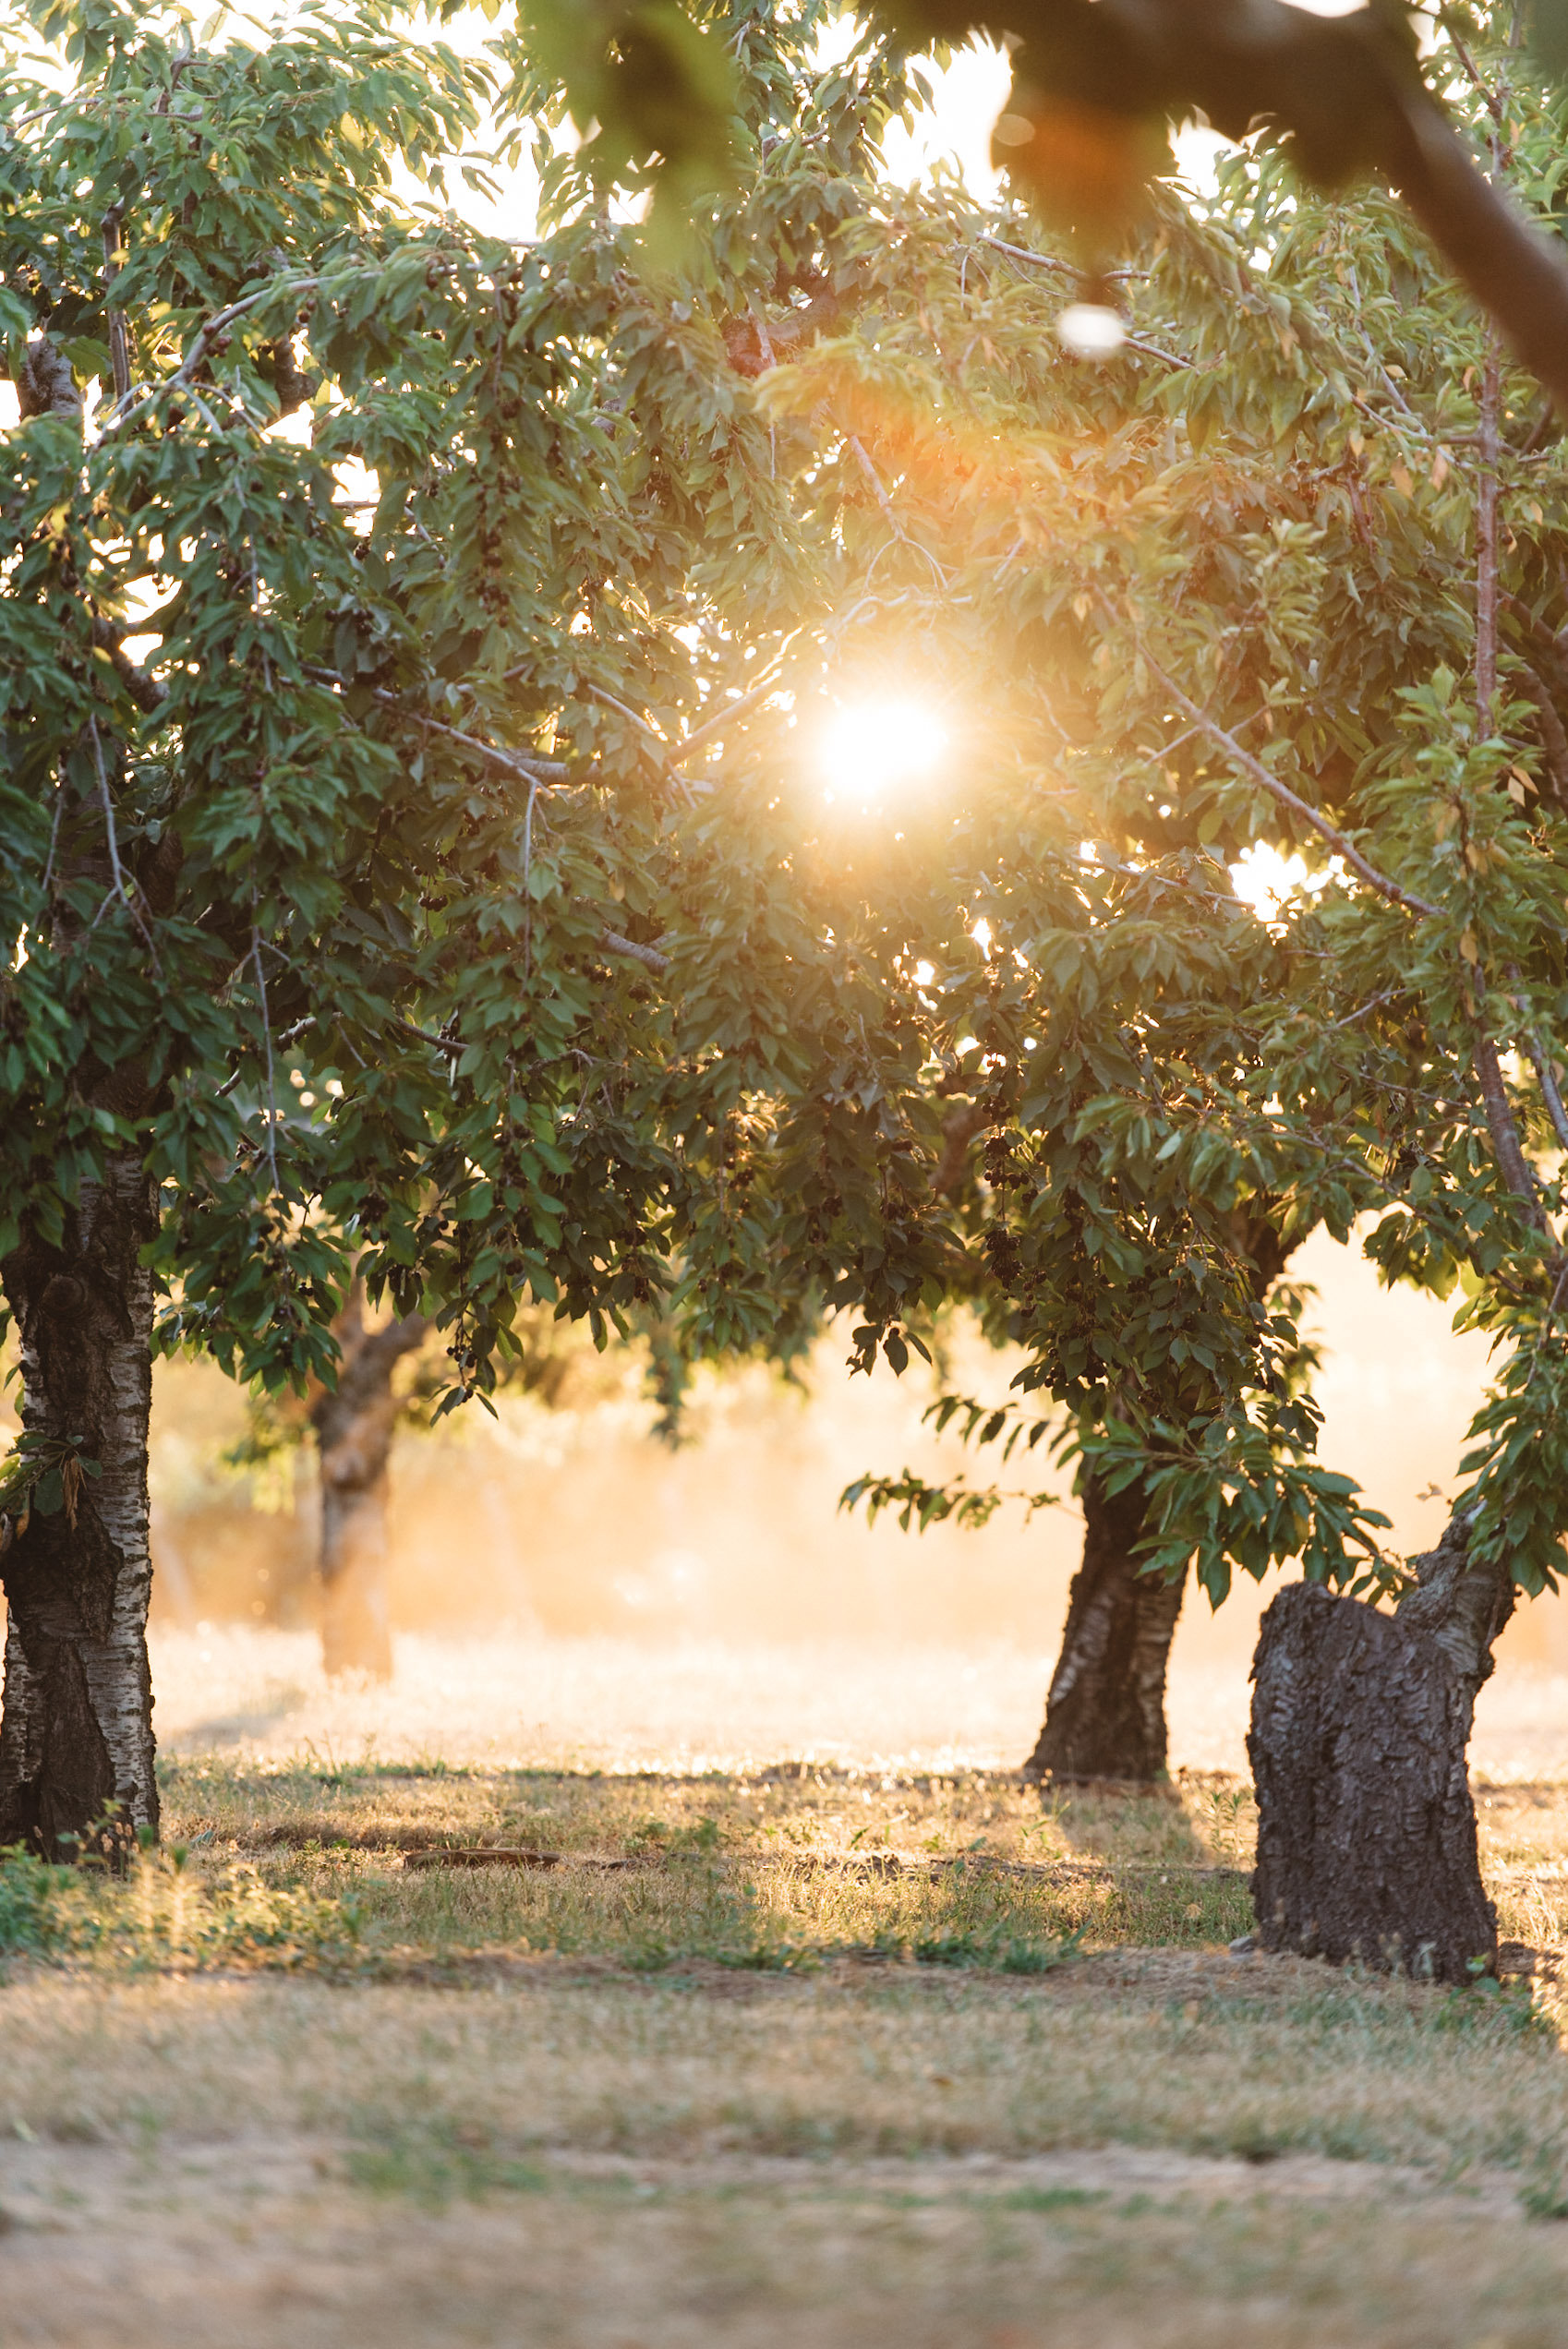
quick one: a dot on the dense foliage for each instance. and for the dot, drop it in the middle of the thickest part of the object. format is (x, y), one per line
(459, 756)
(343, 785)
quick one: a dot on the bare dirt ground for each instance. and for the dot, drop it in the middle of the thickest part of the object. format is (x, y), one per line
(261, 2241)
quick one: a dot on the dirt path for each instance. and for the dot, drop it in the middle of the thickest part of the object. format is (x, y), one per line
(268, 2242)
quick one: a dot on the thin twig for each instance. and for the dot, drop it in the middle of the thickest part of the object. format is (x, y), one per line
(1371, 1004)
(266, 1039)
(53, 835)
(451, 1045)
(108, 804)
(1486, 534)
(528, 882)
(681, 751)
(256, 615)
(1548, 1083)
(1152, 351)
(180, 380)
(622, 710)
(119, 345)
(537, 770)
(116, 868)
(1256, 771)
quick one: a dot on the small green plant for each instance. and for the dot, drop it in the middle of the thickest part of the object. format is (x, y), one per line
(1544, 2194)
(158, 1912)
(30, 1893)
(994, 1947)
(1498, 2009)
(437, 2163)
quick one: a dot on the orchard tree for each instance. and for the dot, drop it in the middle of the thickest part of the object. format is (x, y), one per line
(1308, 589)
(376, 599)
(1299, 588)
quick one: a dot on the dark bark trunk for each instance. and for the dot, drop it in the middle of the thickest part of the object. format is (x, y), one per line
(1360, 1722)
(1105, 1714)
(353, 1427)
(1105, 1711)
(76, 1732)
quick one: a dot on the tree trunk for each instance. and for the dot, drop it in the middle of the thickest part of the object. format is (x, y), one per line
(353, 1427)
(76, 1732)
(1105, 1711)
(1105, 1714)
(1360, 1722)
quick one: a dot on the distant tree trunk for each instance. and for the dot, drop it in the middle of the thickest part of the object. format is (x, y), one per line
(1105, 1711)
(1360, 1722)
(1105, 1714)
(353, 1431)
(77, 1730)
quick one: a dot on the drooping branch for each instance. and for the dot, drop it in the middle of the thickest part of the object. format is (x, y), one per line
(1512, 1163)
(1348, 89)
(1256, 771)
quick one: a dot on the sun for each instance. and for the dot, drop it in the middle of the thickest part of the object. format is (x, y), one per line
(873, 749)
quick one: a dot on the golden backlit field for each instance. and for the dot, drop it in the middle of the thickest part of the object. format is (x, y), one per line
(820, 2031)
(787, 2053)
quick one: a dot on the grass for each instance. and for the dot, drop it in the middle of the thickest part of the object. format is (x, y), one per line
(808, 2056)
(782, 1870)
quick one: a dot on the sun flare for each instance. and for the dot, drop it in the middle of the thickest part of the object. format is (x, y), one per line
(873, 749)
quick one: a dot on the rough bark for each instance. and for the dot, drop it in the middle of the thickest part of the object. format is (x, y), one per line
(1105, 1713)
(353, 1425)
(46, 382)
(76, 1736)
(1360, 1722)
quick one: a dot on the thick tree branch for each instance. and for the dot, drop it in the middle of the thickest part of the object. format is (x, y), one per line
(1348, 89)
(1513, 1166)
(45, 385)
(649, 956)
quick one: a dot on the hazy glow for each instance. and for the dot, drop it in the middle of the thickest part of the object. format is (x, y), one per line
(981, 934)
(872, 749)
(955, 129)
(1266, 881)
(1090, 330)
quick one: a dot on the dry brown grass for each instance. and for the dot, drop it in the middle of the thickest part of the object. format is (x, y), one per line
(749, 2090)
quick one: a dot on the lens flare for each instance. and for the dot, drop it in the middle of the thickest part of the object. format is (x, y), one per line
(871, 749)
(1090, 330)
